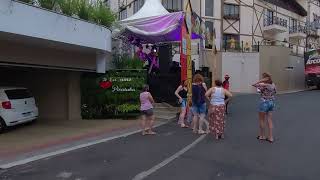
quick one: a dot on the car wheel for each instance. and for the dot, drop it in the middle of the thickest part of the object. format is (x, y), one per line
(3, 126)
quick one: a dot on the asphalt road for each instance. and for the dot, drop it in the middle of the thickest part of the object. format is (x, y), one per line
(293, 156)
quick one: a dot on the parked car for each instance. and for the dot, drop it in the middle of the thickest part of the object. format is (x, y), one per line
(17, 106)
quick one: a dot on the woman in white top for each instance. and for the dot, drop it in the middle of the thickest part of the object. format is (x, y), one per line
(216, 96)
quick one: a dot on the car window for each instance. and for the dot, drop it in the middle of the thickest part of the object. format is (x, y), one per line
(18, 94)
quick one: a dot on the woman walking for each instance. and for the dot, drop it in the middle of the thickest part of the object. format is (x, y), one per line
(181, 93)
(147, 118)
(218, 97)
(267, 90)
(199, 89)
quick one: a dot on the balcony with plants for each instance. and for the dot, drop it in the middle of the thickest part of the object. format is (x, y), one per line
(82, 23)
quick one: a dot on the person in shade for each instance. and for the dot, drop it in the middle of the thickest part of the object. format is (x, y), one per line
(266, 106)
(181, 93)
(199, 108)
(226, 86)
(217, 96)
(147, 118)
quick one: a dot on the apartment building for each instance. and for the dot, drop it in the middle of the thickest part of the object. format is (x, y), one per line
(248, 29)
(251, 21)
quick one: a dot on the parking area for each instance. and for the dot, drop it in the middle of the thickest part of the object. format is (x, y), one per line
(48, 133)
(57, 92)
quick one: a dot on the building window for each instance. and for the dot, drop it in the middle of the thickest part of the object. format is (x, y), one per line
(173, 5)
(269, 13)
(137, 4)
(231, 42)
(293, 22)
(231, 11)
(123, 14)
(209, 34)
(209, 8)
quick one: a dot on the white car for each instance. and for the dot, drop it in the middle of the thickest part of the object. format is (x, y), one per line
(17, 106)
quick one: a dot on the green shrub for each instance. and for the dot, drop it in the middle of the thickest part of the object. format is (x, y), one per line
(126, 62)
(47, 4)
(68, 7)
(85, 10)
(102, 14)
(126, 108)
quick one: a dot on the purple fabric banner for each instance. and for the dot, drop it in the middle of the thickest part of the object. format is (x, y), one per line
(165, 28)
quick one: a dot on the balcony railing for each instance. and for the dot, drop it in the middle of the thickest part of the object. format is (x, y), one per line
(275, 21)
(231, 16)
(239, 46)
(298, 29)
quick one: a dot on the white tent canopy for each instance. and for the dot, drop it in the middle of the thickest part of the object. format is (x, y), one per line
(150, 8)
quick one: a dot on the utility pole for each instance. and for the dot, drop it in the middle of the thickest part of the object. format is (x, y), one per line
(308, 25)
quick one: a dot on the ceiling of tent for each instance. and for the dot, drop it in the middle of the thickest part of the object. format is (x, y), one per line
(150, 8)
(154, 24)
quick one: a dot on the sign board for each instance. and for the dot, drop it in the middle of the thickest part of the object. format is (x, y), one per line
(312, 62)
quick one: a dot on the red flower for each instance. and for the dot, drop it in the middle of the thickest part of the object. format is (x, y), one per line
(105, 84)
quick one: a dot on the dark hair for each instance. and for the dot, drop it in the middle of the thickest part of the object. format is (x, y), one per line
(268, 77)
(198, 78)
(218, 82)
(145, 88)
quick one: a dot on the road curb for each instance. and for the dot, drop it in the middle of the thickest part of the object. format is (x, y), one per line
(296, 91)
(32, 158)
(279, 93)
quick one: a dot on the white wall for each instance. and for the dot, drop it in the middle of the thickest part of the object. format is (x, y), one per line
(243, 68)
(296, 75)
(30, 21)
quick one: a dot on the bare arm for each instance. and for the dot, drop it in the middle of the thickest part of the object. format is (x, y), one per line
(209, 92)
(205, 86)
(260, 81)
(259, 85)
(177, 92)
(151, 98)
(228, 94)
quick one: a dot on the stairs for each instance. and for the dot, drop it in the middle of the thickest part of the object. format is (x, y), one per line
(165, 111)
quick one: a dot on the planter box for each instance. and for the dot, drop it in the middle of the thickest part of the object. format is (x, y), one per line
(23, 20)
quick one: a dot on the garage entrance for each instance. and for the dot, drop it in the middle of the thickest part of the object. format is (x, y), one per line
(57, 92)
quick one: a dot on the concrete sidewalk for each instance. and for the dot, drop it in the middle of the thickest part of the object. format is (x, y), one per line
(44, 140)
(47, 137)
(45, 133)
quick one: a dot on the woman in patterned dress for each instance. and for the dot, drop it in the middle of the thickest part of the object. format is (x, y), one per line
(217, 95)
(267, 90)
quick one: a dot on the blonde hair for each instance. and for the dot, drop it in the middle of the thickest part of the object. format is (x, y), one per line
(198, 78)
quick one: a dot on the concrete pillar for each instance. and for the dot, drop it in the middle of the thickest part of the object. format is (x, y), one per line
(74, 96)
(101, 62)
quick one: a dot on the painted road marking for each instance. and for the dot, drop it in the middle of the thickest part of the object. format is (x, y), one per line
(147, 173)
(62, 151)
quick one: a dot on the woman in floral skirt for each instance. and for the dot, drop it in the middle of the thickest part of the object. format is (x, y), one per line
(217, 95)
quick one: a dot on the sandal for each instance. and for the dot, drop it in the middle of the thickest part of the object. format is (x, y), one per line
(270, 141)
(184, 126)
(261, 139)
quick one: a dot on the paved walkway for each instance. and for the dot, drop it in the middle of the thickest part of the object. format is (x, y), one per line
(45, 133)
